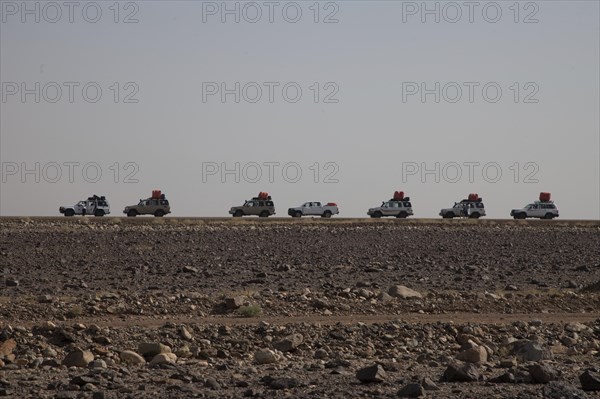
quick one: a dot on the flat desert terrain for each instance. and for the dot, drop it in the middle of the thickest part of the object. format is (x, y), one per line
(312, 308)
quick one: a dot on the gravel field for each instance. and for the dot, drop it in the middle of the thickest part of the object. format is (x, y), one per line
(146, 308)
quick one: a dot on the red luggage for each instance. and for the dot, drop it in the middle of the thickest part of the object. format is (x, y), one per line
(156, 194)
(544, 197)
(473, 197)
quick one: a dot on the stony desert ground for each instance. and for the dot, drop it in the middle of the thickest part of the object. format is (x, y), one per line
(223, 308)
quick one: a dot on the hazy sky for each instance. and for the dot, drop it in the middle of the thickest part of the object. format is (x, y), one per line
(172, 94)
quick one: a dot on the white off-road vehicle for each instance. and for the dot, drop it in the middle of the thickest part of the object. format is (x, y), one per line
(471, 207)
(95, 205)
(399, 208)
(539, 209)
(314, 209)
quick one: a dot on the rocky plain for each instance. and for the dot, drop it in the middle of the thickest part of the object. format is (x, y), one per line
(222, 308)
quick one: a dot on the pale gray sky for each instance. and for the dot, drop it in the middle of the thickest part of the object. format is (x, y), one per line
(361, 118)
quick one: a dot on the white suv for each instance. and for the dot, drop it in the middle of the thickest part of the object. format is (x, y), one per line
(465, 209)
(396, 208)
(539, 209)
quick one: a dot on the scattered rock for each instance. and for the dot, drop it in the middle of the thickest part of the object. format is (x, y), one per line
(12, 282)
(284, 383)
(78, 358)
(374, 373)
(476, 354)
(561, 390)
(530, 351)
(414, 390)
(185, 334)
(400, 291)
(542, 373)
(429, 385)
(130, 357)
(456, 372)
(590, 380)
(506, 378)
(151, 349)
(7, 347)
(289, 343)
(232, 303)
(265, 356)
(163, 358)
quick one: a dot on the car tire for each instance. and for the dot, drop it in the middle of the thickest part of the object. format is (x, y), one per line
(402, 215)
(264, 214)
(69, 212)
(327, 214)
(448, 215)
(377, 215)
(474, 215)
(159, 213)
(238, 214)
(297, 214)
(548, 216)
(131, 213)
(99, 213)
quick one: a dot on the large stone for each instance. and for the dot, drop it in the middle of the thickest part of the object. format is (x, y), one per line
(457, 372)
(78, 358)
(476, 354)
(289, 343)
(265, 356)
(130, 357)
(429, 385)
(542, 373)
(506, 378)
(235, 302)
(151, 349)
(400, 291)
(576, 327)
(284, 383)
(374, 373)
(185, 334)
(7, 347)
(530, 351)
(590, 380)
(164, 358)
(414, 390)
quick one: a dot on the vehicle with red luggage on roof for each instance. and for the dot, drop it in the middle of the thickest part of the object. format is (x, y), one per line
(545, 208)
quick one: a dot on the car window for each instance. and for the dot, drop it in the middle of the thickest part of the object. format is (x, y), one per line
(407, 204)
(269, 203)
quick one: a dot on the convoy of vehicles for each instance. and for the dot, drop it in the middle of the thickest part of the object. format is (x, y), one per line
(94, 205)
(314, 209)
(261, 206)
(471, 207)
(398, 206)
(542, 209)
(157, 205)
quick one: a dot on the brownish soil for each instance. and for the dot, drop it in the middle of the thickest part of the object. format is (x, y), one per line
(109, 284)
